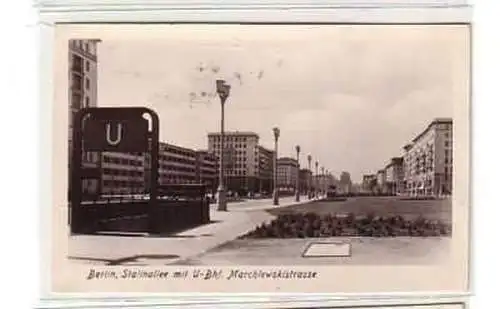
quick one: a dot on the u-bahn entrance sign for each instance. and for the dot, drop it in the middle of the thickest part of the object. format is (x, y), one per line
(120, 129)
(121, 135)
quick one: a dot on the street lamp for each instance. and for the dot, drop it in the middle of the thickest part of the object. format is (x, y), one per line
(309, 158)
(223, 92)
(316, 185)
(297, 181)
(276, 132)
(327, 180)
(322, 179)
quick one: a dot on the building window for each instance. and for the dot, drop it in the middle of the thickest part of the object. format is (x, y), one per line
(87, 66)
(87, 83)
(77, 63)
(76, 82)
(76, 101)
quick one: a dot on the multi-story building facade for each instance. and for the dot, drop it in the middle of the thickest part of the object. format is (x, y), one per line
(266, 169)
(177, 164)
(82, 92)
(287, 172)
(345, 183)
(305, 181)
(206, 169)
(369, 183)
(428, 160)
(242, 160)
(125, 173)
(395, 176)
(122, 173)
(381, 181)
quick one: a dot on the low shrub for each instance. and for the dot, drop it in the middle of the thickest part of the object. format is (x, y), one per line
(311, 225)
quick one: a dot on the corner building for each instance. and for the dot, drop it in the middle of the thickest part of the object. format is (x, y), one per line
(82, 92)
(428, 160)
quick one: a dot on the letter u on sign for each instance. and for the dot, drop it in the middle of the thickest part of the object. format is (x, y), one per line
(117, 135)
(116, 139)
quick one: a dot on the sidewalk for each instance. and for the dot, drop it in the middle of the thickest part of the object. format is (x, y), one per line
(143, 250)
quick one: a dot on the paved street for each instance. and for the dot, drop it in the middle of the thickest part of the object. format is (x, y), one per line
(143, 250)
(366, 251)
(263, 204)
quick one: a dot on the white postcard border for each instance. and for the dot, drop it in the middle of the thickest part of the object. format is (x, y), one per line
(46, 86)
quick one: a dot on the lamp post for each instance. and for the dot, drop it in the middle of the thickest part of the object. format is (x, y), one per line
(223, 92)
(309, 158)
(297, 181)
(322, 180)
(276, 132)
(316, 185)
(327, 180)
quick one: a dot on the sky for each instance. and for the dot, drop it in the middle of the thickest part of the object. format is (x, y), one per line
(351, 97)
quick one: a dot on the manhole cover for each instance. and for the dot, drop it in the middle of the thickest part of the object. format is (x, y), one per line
(327, 249)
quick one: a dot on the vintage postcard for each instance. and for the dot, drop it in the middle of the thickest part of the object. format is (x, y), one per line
(260, 158)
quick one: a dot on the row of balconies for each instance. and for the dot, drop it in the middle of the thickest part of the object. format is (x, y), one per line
(123, 177)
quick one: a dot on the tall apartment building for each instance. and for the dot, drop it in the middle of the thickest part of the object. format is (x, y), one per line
(305, 180)
(82, 92)
(177, 164)
(126, 173)
(381, 181)
(288, 172)
(428, 160)
(266, 168)
(395, 176)
(369, 182)
(206, 169)
(345, 183)
(242, 159)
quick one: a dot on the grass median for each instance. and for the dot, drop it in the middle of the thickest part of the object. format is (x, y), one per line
(312, 225)
(358, 217)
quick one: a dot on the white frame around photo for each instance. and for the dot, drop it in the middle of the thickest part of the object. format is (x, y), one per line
(222, 12)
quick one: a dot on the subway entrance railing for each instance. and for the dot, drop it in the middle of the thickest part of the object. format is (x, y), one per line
(138, 206)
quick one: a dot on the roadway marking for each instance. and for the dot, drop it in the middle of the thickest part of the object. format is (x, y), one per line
(327, 249)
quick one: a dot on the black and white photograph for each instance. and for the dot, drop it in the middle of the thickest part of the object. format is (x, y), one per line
(250, 145)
